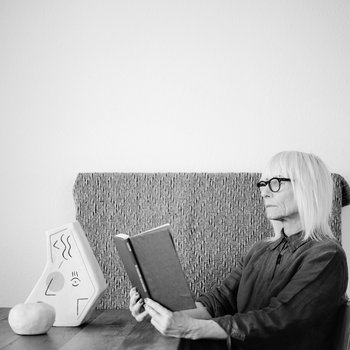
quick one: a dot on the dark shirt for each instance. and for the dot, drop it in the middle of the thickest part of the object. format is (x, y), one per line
(284, 295)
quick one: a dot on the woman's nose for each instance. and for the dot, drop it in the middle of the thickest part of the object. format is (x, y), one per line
(265, 191)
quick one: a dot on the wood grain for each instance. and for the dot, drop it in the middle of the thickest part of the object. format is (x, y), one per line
(105, 330)
(145, 336)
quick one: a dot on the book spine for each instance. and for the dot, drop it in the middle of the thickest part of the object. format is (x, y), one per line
(137, 268)
(131, 265)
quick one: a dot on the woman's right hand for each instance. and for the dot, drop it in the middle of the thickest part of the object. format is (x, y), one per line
(136, 306)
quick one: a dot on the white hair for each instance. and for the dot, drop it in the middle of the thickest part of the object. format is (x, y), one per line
(313, 190)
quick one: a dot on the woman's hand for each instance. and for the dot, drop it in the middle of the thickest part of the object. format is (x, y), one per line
(173, 324)
(136, 306)
(180, 325)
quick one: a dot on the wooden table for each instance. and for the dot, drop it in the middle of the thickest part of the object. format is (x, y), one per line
(106, 329)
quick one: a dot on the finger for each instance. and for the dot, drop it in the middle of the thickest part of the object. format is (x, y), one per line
(134, 297)
(133, 291)
(135, 309)
(154, 314)
(132, 303)
(157, 326)
(140, 317)
(157, 307)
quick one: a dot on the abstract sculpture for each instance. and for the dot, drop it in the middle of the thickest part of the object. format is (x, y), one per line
(72, 281)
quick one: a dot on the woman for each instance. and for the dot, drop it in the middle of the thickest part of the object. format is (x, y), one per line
(286, 292)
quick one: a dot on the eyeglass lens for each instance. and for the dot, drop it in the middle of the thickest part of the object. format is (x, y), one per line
(274, 184)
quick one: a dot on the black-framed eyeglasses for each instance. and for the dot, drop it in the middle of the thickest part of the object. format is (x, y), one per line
(274, 183)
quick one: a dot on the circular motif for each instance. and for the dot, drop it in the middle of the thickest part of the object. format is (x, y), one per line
(55, 281)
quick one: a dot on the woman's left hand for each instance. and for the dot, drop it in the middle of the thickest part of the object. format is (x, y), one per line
(173, 324)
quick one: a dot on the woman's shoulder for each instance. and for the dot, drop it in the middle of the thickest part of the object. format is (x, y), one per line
(322, 252)
(325, 245)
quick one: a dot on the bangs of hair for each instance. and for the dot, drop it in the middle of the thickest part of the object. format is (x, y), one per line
(278, 166)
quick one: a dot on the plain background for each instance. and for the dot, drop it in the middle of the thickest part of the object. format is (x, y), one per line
(158, 85)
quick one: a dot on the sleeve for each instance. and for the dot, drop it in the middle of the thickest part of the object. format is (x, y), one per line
(315, 292)
(223, 300)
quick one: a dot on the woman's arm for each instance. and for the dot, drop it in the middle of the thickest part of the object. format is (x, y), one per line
(190, 324)
(200, 312)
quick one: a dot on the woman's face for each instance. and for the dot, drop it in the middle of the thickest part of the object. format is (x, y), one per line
(281, 205)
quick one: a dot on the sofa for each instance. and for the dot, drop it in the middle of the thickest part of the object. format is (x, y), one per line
(215, 218)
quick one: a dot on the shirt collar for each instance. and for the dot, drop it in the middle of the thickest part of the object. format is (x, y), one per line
(293, 242)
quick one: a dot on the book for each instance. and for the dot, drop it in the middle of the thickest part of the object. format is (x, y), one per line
(151, 262)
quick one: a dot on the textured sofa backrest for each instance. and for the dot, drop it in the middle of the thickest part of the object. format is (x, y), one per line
(215, 218)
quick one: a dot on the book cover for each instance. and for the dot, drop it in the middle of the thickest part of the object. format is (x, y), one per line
(152, 264)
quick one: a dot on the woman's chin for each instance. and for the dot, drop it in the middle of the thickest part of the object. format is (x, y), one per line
(273, 216)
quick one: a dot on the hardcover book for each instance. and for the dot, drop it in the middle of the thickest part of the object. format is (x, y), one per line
(150, 259)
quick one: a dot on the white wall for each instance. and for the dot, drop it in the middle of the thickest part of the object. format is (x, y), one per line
(157, 85)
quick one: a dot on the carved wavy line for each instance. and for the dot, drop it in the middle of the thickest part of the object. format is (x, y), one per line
(65, 248)
(70, 246)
